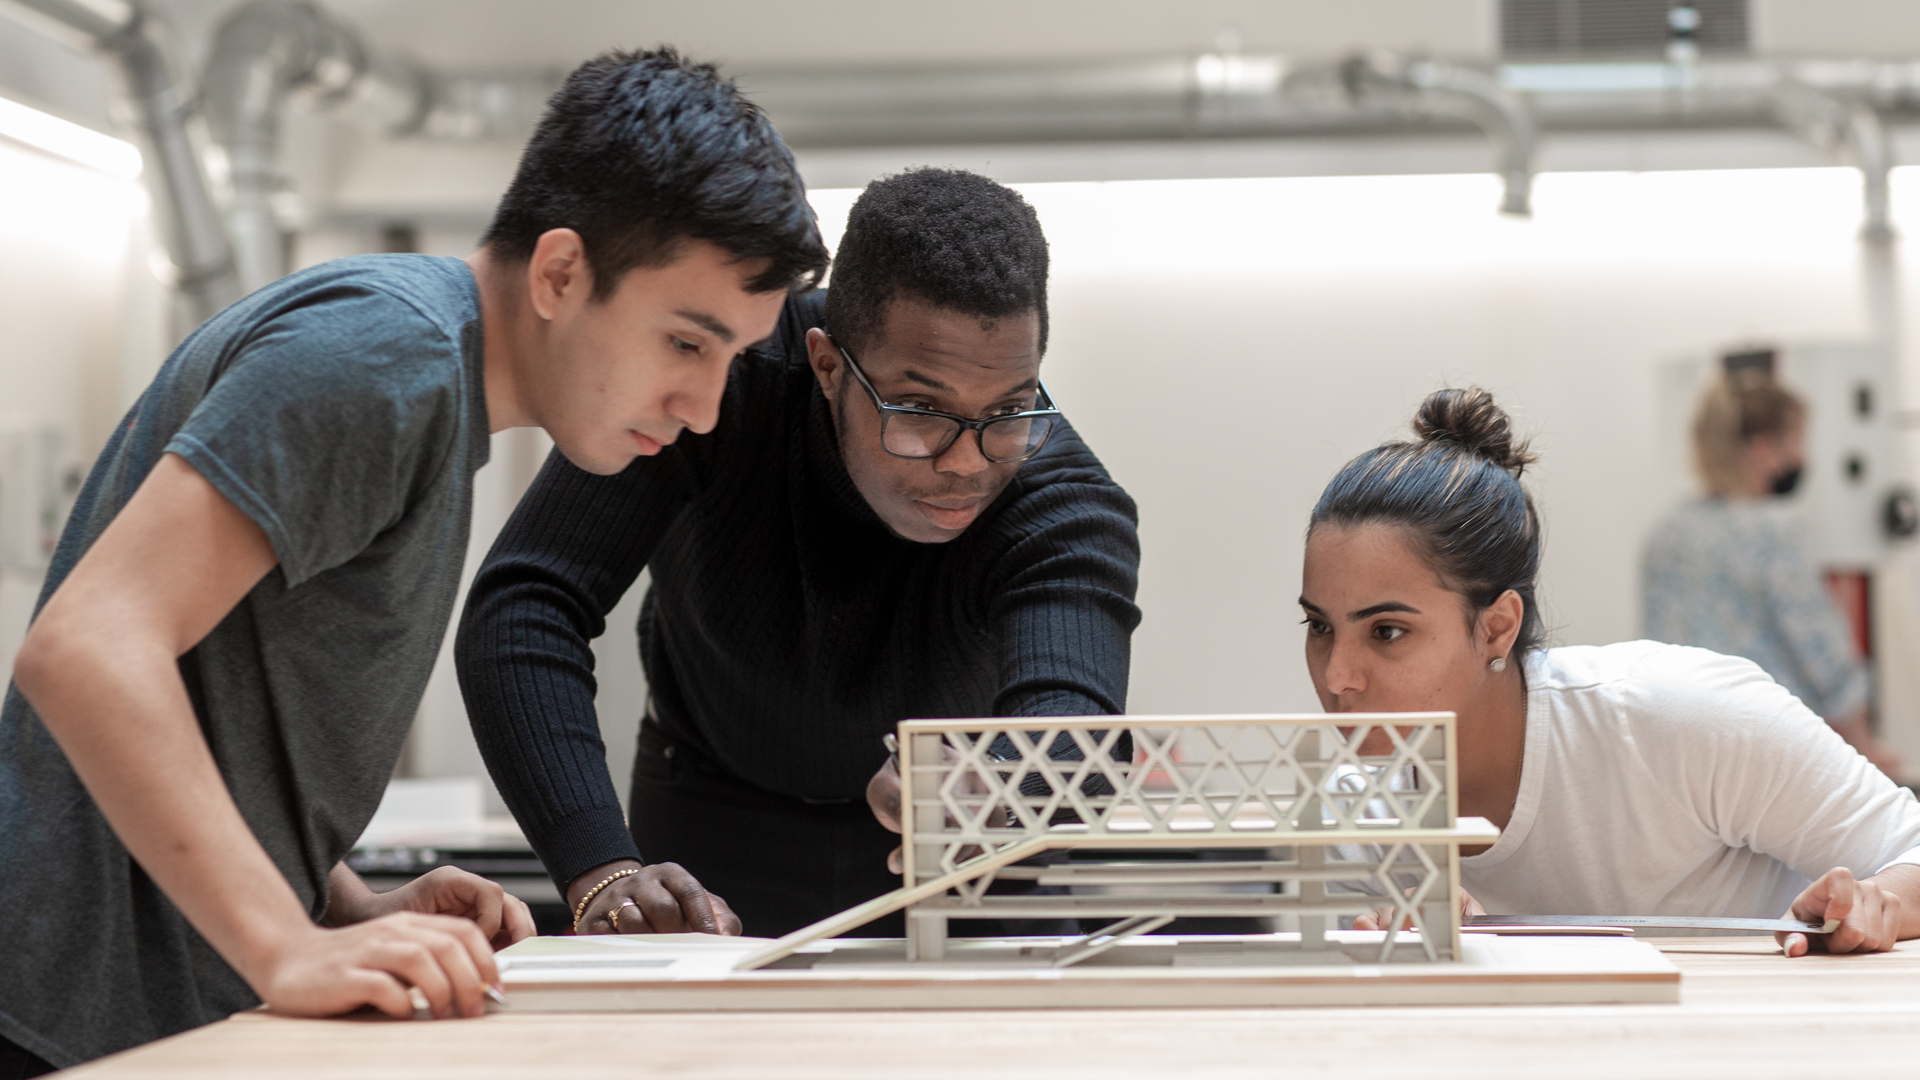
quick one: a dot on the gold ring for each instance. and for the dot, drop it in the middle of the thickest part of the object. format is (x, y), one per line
(613, 918)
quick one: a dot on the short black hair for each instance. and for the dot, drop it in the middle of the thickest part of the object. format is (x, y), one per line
(641, 151)
(950, 238)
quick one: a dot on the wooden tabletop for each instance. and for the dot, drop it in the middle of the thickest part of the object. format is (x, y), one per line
(1746, 1011)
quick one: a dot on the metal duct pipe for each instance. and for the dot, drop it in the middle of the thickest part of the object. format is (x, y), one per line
(1853, 132)
(1217, 94)
(266, 51)
(261, 53)
(1449, 89)
(1247, 95)
(1164, 97)
(190, 223)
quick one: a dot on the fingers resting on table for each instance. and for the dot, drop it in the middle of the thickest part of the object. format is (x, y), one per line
(661, 899)
(501, 917)
(326, 972)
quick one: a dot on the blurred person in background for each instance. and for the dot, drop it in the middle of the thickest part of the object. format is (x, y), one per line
(1728, 571)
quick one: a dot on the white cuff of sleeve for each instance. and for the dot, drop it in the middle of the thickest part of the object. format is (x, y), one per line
(1909, 858)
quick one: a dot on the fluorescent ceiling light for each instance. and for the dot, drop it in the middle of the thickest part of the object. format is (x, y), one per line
(115, 157)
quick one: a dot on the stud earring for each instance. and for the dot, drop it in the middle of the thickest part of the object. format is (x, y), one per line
(1497, 664)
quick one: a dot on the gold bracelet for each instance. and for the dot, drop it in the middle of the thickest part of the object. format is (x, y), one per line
(581, 910)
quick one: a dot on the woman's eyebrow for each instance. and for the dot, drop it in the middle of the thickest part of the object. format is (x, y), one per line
(1381, 609)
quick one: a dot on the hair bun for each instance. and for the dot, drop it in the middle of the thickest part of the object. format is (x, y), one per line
(1470, 418)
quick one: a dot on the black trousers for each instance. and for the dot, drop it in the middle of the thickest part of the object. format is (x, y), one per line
(17, 1064)
(778, 861)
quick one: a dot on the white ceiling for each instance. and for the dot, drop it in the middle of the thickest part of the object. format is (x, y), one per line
(743, 34)
(748, 33)
(461, 33)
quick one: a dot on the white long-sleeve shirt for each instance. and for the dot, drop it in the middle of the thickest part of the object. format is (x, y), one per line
(1665, 780)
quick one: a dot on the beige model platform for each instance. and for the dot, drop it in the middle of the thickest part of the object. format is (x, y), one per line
(667, 973)
(1306, 818)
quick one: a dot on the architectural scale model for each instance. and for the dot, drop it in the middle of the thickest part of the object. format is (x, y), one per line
(1336, 818)
(1303, 819)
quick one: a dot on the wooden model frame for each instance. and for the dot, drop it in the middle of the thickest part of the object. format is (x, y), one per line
(980, 796)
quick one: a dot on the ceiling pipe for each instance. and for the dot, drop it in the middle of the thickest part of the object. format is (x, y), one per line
(1836, 102)
(1852, 131)
(1424, 85)
(1069, 100)
(262, 53)
(267, 51)
(131, 35)
(1207, 96)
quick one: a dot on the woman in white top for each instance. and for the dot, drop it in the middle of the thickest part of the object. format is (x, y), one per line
(1628, 779)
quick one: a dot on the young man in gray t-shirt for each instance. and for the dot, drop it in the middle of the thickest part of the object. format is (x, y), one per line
(243, 611)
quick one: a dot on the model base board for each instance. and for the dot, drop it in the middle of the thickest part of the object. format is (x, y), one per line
(695, 973)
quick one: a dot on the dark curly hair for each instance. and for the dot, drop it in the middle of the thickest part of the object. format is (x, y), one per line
(1457, 492)
(951, 238)
(640, 151)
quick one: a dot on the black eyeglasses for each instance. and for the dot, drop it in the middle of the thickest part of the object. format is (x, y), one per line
(910, 432)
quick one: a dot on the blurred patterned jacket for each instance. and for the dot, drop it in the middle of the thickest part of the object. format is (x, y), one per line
(1731, 576)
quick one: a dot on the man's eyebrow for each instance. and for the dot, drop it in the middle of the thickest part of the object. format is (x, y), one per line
(710, 324)
(925, 380)
(928, 381)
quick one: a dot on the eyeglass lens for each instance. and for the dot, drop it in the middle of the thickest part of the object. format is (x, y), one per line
(1013, 439)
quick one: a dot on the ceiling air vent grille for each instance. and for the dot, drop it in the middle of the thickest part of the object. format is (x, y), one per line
(1620, 27)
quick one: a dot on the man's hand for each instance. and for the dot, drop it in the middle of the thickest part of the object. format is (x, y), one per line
(883, 795)
(502, 919)
(660, 899)
(322, 972)
(1379, 917)
(1873, 913)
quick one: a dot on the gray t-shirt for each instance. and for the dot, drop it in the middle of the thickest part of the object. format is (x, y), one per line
(342, 410)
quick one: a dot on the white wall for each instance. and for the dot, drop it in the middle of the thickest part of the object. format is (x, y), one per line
(1226, 345)
(80, 318)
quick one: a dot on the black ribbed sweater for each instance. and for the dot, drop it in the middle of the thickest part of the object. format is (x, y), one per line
(786, 628)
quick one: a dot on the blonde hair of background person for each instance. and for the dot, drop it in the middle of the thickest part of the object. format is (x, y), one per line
(1749, 434)
(1729, 572)
(1629, 779)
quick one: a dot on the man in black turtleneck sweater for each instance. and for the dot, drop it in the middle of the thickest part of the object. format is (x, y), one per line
(823, 567)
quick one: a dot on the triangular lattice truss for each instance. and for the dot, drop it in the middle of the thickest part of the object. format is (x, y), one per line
(1338, 815)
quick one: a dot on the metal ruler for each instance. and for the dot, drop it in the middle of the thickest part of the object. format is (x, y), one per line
(1654, 922)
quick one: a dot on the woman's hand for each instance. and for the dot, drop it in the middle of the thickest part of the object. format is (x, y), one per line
(1872, 913)
(502, 919)
(1379, 917)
